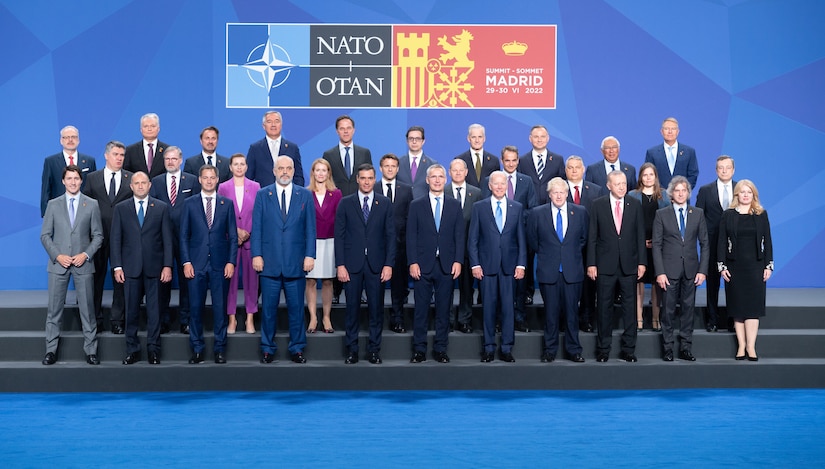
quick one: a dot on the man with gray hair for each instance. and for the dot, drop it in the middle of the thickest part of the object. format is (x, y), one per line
(262, 155)
(480, 163)
(147, 154)
(598, 171)
(52, 185)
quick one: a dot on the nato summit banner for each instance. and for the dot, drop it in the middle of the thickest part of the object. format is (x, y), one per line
(390, 66)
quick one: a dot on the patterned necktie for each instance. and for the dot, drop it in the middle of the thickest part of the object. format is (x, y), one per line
(414, 167)
(283, 205)
(540, 167)
(682, 222)
(366, 208)
(618, 217)
(347, 167)
(140, 213)
(458, 196)
(209, 212)
(437, 213)
(478, 166)
(150, 157)
(725, 199)
(499, 217)
(511, 192)
(112, 188)
(389, 191)
(173, 192)
(71, 211)
(576, 196)
(209, 160)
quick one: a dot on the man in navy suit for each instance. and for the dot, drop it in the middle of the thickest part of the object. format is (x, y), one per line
(147, 154)
(435, 251)
(466, 195)
(142, 258)
(400, 195)
(498, 254)
(558, 233)
(364, 256)
(597, 172)
(209, 250)
(616, 256)
(283, 251)
(480, 163)
(172, 188)
(346, 157)
(209, 155)
(714, 198)
(673, 158)
(583, 193)
(413, 164)
(260, 159)
(540, 164)
(52, 183)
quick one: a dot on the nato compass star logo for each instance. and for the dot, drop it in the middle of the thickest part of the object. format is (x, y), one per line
(268, 65)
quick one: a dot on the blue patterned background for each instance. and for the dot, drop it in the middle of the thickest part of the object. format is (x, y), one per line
(744, 77)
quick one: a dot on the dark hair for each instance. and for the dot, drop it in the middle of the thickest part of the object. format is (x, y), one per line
(366, 167)
(72, 168)
(413, 129)
(213, 128)
(343, 117)
(389, 156)
(207, 167)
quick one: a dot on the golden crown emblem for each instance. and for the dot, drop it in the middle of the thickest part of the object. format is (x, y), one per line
(514, 48)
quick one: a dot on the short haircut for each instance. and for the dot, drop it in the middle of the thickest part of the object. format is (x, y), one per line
(413, 129)
(435, 166)
(610, 137)
(69, 127)
(366, 167)
(263, 121)
(574, 158)
(112, 144)
(557, 182)
(507, 148)
(150, 115)
(344, 117)
(212, 128)
(670, 119)
(671, 186)
(72, 168)
(173, 149)
(476, 126)
(726, 157)
(458, 160)
(538, 126)
(389, 156)
(207, 167)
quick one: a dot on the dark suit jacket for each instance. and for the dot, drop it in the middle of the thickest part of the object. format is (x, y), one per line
(496, 253)
(243, 215)
(259, 162)
(187, 187)
(686, 163)
(708, 201)
(135, 159)
(96, 188)
(489, 163)
(597, 174)
(419, 186)
(360, 155)
(359, 244)
(52, 181)
(612, 253)
(283, 244)
(674, 256)
(423, 240)
(525, 192)
(728, 245)
(58, 236)
(208, 248)
(587, 194)
(472, 194)
(142, 251)
(193, 164)
(400, 210)
(552, 253)
(553, 166)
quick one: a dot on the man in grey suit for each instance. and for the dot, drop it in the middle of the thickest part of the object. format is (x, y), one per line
(466, 195)
(71, 234)
(679, 268)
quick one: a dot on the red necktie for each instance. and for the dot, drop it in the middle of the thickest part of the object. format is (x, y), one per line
(173, 193)
(576, 197)
(71, 160)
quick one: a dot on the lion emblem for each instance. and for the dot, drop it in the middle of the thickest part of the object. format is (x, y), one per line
(458, 50)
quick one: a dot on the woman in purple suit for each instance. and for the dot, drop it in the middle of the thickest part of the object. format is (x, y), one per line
(327, 198)
(242, 191)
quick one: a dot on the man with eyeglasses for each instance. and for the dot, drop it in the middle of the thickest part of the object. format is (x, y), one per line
(53, 166)
(413, 164)
(673, 158)
(597, 172)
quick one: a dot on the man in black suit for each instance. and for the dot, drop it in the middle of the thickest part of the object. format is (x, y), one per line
(208, 155)
(142, 258)
(466, 195)
(435, 251)
(52, 181)
(173, 188)
(400, 195)
(713, 199)
(262, 155)
(147, 154)
(364, 256)
(597, 172)
(616, 256)
(480, 163)
(679, 268)
(109, 186)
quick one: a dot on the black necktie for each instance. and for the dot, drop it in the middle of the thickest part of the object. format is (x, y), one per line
(389, 191)
(112, 189)
(283, 205)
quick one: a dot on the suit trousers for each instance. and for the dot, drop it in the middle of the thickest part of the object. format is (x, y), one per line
(423, 288)
(464, 309)
(243, 267)
(399, 285)
(217, 284)
(270, 297)
(712, 316)
(165, 293)
(134, 289)
(101, 259)
(84, 286)
(681, 291)
(561, 301)
(371, 282)
(605, 289)
(494, 288)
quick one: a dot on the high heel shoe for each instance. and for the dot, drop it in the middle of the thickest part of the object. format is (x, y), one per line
(752, 358)
(250, 328)
(739, 357)
(328, 330)
(230, 329)
(640, 325)
(311, 329)
(657, 326)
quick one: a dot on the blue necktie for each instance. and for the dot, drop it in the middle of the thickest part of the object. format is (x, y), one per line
(499, 217)
(682, 222)
(140, 213)
(71, 211)
(283, 205)
(347, 168)
(559, 230)
(437, 213)
(366, 208)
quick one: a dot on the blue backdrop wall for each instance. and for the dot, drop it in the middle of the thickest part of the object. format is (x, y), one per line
(744, 78)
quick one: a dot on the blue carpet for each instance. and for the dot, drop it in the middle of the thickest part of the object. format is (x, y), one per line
(682, 428)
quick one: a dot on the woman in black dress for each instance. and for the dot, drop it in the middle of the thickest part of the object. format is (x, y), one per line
(745, 262)
(650, 194)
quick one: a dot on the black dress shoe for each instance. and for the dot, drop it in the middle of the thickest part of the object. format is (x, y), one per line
(668, 356)
(488, 357)
(686, 355)
(465, 328)
(521, 326)
(577, 358)
(601, 358)
(418, 357)
(298, 358)
(352, 358)
(184, 328)
(374, 358)
(498, 328)
(50, 359)
(711, 328)
(441, 357)
(92, 359)
(220, 358)
(336, 299)
(268, 358)
(131, 358)
(547, 357)
(528, 300)
(628, 357)
(196, 358)
(586, 327)
(154, 358)
(117, 329)
(164, 328)
(398, 328)
(506, 357)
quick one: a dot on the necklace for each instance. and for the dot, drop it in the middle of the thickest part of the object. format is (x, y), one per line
(649, 197)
